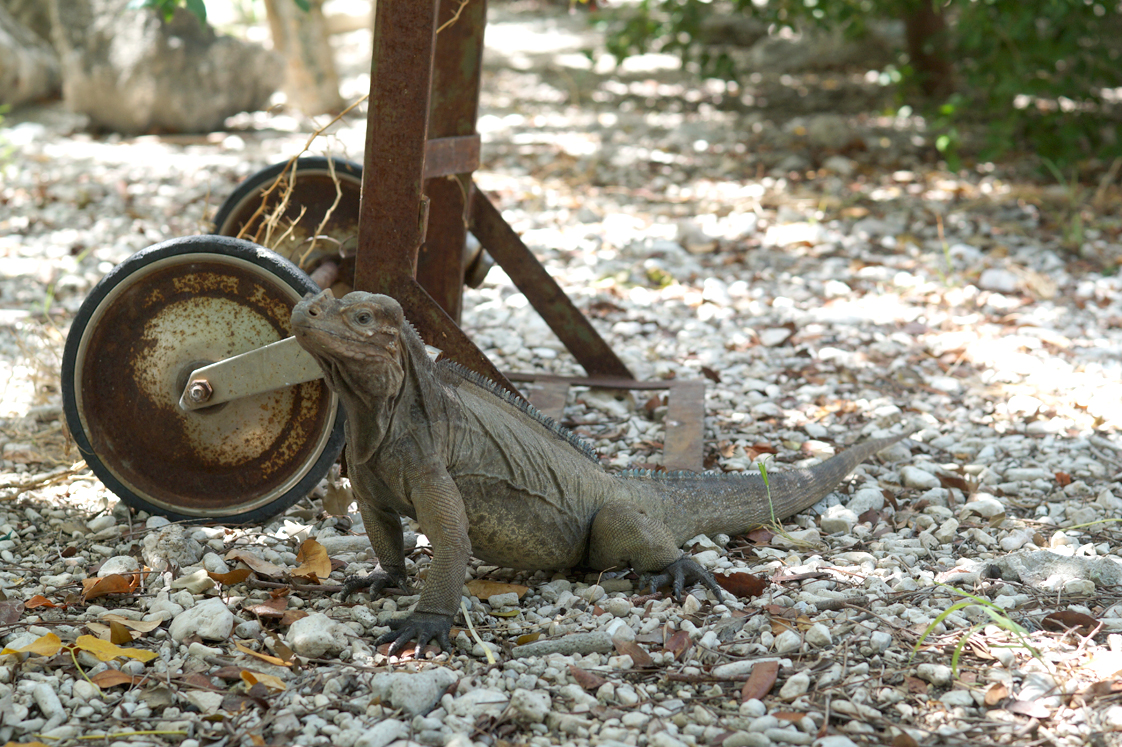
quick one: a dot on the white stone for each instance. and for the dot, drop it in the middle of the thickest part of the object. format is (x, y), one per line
(960, 698)
(998, 279)
(506, 599)
(119, 564)
(774, 336)
(101, 523)
(939, 675)
(413, 692)
(480, 702)
(866, 499)
(796, 685)
(383, 733)
(691, 605)
(946, 531)
(317, 636)
(914, 477)
(819, 636)
(880, 640)
(209, 620)
(838, 519)
(196, 582)
(787, 642)
(530, 706)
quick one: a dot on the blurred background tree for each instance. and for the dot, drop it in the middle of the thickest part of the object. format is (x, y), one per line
(300, 34)
(1042, 76)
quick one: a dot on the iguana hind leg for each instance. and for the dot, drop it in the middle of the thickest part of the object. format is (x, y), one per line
(624, 535)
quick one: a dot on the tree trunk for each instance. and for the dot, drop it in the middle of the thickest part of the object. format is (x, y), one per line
(311, 82)
(926, 31)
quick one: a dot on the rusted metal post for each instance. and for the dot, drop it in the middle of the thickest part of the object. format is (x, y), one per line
(392, 216)
(457, 64)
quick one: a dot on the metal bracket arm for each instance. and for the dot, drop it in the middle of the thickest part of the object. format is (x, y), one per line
(274, 366)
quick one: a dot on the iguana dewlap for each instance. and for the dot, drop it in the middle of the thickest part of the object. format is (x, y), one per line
(486, 475)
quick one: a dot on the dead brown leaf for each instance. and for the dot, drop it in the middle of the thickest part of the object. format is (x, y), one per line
(94, 588)
(119, 634)
(586, 679)
(263, 657)
(235, 576)
(256, 564)
(638, 654)
(742, 585)
(915, 684)
(39, 601)
(115, 677)
(678, 644)
(996, 693)
(1070, 620)
(760, 681)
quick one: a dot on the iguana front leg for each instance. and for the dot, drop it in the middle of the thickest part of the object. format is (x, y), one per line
(623, 536)
(383, 529)
(440, 512)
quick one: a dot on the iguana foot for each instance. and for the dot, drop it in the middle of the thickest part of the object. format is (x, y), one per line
(682, 570)
(422, 626)
(375, 582)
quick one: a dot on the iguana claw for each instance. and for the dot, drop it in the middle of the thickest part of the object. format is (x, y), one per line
(422, 626)
(375, 582)
(682, 570)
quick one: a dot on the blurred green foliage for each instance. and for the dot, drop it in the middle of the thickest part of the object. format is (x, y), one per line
(1042, 75)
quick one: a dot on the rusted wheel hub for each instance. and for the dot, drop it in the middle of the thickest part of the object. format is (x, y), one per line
(156, 318)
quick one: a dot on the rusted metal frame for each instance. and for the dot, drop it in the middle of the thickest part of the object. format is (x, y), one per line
(392, 215)
(394, 212)
(454, 104)
(542, 291)
(685, 412)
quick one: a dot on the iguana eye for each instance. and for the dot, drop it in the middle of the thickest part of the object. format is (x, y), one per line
(363, 318)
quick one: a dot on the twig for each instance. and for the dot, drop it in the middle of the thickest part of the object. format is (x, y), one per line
(326, 216)
(276, 182)
(455, 16)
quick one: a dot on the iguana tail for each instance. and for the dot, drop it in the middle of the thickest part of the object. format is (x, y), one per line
(691, 504)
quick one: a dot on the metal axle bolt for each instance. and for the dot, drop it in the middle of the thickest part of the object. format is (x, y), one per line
(200, 391)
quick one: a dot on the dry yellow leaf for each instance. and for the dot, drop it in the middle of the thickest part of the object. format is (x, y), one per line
(314, 563)
(485, 589)
(47, 645)
(268, 680)
(263, 657)
(106, 651)
(140, 626)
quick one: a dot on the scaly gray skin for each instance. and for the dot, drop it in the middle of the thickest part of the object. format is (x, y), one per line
(486, 475)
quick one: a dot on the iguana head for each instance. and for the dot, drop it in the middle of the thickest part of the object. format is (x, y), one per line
(356, 339)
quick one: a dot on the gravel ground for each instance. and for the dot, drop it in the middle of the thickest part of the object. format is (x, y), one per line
(806, 257)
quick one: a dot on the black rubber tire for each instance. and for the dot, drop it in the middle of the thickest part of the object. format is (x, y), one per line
(283, 271)
(261, 180)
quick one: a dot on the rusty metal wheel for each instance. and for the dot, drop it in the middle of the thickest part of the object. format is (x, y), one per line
(316, 194)
(153, 320)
